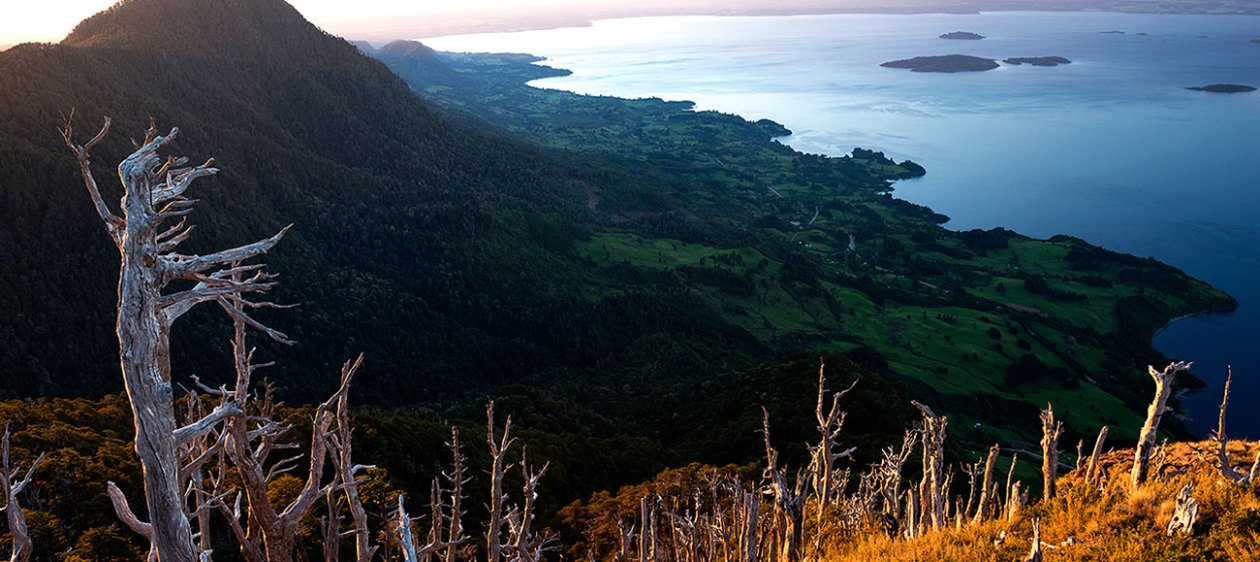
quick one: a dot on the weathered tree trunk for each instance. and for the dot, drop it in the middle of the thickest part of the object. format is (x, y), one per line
(1091, 469)
(524, 545)
(153, 195)
(455, 519)
(935, 496)
(1185, 513)
(347, 478)
(985, 510)
(498, 468)
(1034, 554)
(1051, 429)
(1150, 430)
(402, 532)
(788, 516)
(9, 490)
(1015, 498)
(830, 422)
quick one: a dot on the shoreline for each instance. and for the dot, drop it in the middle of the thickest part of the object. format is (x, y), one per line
(1151, 329)
(1201, 313)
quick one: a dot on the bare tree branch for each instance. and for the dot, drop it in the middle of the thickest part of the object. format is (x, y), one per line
(123, 509)
(113, 224)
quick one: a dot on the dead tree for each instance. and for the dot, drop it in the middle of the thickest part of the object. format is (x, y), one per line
(935, 493)
(1091, 469)
(10, 487)
(1223, 464)
(498, 468)
(401, 527)
(825, 454)
(347, 480)
(456, 478)
(1016, 497)
(524, 544)
(201, 484)
(153, 195)
(1034, 554)
(1150, 430)
(887, 476)
(988, 493)
(1051, 429)
(268, 532)
(786, 517)
(446, 531)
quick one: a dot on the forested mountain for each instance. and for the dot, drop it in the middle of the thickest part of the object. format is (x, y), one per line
(442, 252)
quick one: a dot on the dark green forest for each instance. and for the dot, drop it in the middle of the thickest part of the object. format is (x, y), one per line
(628, 278)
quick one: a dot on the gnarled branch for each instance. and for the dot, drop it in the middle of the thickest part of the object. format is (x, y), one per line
(113, 224)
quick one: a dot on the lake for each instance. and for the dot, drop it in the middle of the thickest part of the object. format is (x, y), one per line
(1111, 148)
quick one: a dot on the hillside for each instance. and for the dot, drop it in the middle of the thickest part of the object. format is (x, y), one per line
(443, 252)
(802, 250)
(447, 251)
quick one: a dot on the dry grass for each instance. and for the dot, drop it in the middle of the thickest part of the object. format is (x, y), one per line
(1112, 523)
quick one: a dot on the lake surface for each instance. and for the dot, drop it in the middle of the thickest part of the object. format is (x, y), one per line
(1111, 148)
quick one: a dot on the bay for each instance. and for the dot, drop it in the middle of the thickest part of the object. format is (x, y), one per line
(1111, 148)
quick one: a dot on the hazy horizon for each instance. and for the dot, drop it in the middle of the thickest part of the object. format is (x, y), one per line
(22, 22)
(382, 20)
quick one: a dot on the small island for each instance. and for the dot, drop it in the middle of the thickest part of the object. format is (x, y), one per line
(1037, 61)
(963, 35)
(1223, 88)
(1255, 41)
(944, 63)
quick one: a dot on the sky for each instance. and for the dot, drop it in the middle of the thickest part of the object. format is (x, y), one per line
(51, 20)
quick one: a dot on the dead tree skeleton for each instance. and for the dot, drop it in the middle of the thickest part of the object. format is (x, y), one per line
(347, 483)
(988, 493)
(153, 195)
(1092, 469)
(1218, 437)
(1150, 429)
(267, 532)
(498, 468)
(787, 517)
(1035, 552)
(825, 454)
(446, 532)
(935, 492)
(510, 533)
(1051, 429)
(10, 487)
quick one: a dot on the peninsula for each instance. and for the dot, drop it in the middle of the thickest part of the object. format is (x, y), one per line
(944, 63)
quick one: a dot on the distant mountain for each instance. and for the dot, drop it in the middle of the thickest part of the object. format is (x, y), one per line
(441, 251)
(412, 58)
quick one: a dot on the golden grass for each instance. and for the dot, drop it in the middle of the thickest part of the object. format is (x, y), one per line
(1112, 523)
